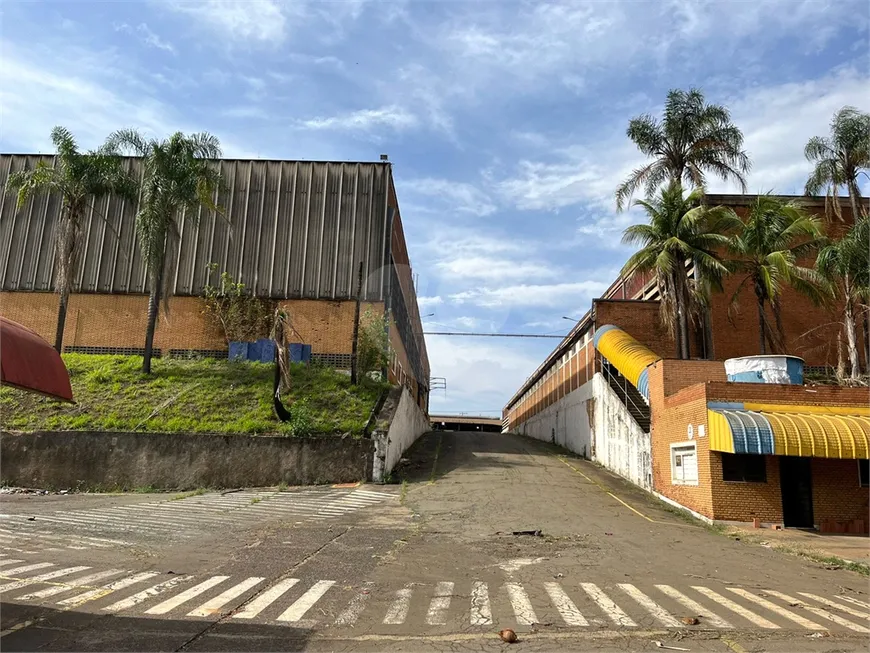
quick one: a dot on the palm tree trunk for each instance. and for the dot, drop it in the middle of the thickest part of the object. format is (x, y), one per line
(61, 320)
(852, 340)
(682, 299)
(866, 321)
(153, 308)
(762, 326)
(855, 199)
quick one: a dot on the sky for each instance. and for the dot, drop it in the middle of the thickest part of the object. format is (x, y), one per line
(504, 121)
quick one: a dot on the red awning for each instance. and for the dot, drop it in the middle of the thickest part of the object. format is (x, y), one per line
(30, 363)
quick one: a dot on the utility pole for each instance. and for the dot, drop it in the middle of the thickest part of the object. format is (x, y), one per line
(354, 346)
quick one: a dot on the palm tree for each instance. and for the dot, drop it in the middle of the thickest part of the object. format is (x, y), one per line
(844, 264)
(179, 174)
(691, 139)
(80, 179)
(771, 240)
(680, 231)
(840, 159)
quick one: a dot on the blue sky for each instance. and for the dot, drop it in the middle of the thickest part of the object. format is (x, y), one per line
(505, 121)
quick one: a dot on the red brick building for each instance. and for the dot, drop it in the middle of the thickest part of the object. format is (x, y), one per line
(579, 399)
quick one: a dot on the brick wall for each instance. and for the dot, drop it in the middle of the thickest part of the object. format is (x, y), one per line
(679, 374)
(97, 320)
(639, 319)
(825, 395)
(837, 493)
(670, 419)
(738, 501)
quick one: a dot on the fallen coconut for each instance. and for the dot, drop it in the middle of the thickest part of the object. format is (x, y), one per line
(507, 635)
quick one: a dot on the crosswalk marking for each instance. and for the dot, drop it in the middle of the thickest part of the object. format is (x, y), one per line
(851, 599)
(304, 603)
(24, 568)
(355, 607)
(84, 581)
(114, 586)
(214, 605)
(523, 610)
(819, 612)
(651, 606)
(565, 605)
(437, 614)
(186, 595)
(42, 577)
(699, 610)
(613, 611)
(398, 611)
(773, 607)
(481, 613)
(835, 604)
(735, 607)
(3, 563)
(264, 600)
(146, 594)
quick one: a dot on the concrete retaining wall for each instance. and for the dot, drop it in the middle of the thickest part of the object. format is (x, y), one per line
(71, 459)
(408, 422)
(591, 421)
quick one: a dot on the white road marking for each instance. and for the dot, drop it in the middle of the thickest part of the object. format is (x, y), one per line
(398, 611)
(84, 581)
(114, 586)
(565, 605)
(146, 594)
(355, 607)
(696, 608)
(819, 612)
(481, 613)
(209, 608)
(523, 609)
(42, 577)
(773, 607)
(265, 599)
(735, 607)
(305, 602)
(613, 611)
(650, 606)
(855, 601)
(3, 563)
(186, 595)
(440, 604)
(838, 606)
(31, 567)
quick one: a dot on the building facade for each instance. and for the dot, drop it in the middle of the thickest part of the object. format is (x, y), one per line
(591, 403)
(297, 232)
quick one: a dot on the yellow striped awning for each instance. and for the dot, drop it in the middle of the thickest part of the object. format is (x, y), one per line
(785, 430)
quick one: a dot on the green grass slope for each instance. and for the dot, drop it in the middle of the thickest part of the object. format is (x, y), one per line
(204, 395)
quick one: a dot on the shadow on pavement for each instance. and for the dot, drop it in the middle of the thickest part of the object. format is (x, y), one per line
(47, 629)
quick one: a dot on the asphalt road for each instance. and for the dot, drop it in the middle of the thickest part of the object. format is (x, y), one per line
(489, 531)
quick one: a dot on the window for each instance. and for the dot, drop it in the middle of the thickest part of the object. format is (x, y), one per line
(864, 473)
(744, 468)
(684, 464)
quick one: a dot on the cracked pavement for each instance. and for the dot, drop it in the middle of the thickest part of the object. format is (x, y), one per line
(434, 566)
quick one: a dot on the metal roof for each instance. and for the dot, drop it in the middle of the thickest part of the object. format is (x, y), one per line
(290, 229)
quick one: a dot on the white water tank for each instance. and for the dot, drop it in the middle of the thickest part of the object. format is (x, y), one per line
(774, 368)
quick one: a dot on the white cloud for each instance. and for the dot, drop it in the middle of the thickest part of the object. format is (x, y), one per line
(533, 295)
(148, 36)
(241, 20)
(393, 117)
(777, 122)
(459, 196)
(429, 302)
(481, 373)
(494, 269)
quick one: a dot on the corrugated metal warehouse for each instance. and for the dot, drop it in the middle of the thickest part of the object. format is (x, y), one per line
(293, 231)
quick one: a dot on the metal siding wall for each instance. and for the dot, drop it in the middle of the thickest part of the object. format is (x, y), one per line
(288, 229)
